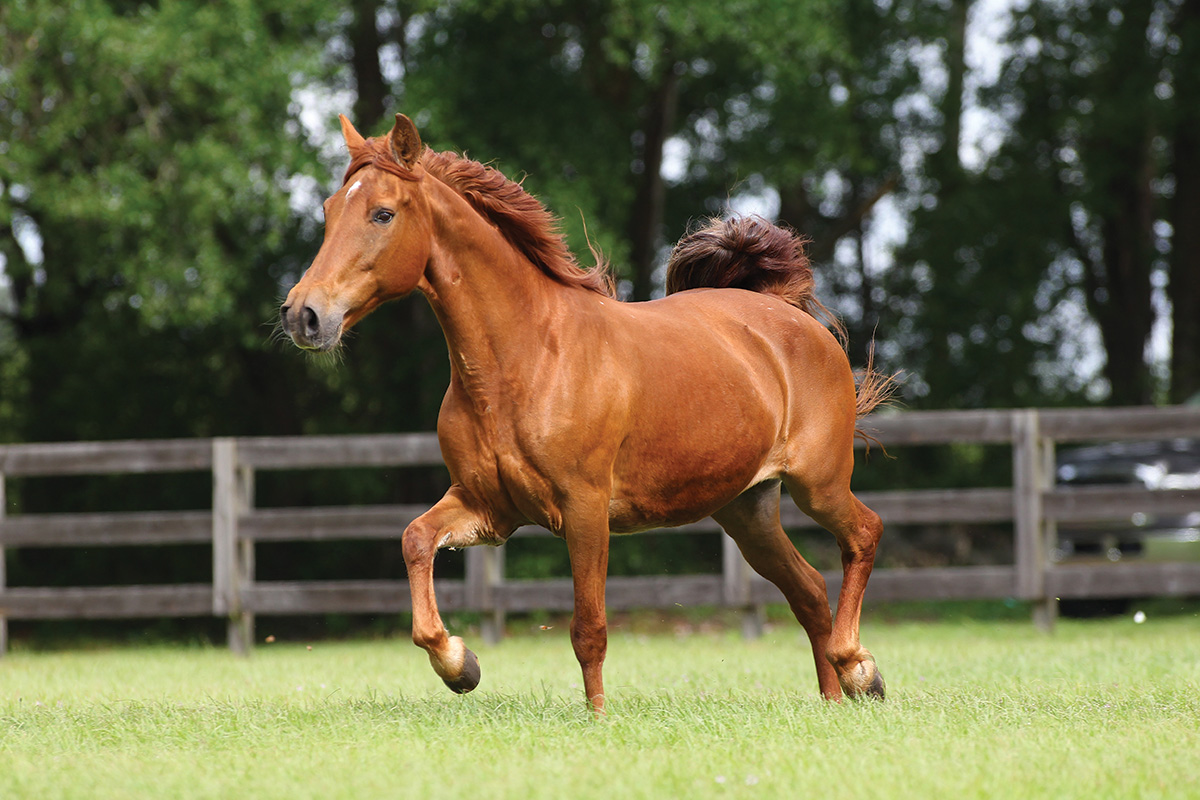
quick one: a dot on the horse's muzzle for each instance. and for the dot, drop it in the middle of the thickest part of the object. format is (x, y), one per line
(308, 329)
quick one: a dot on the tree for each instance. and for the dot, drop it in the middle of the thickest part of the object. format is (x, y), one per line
(1182, 59)
(1076, 218)
(978, 332)
(834, 136)
(1094, 143)
(144, 209)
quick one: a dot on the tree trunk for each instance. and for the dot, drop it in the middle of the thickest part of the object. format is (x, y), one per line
(1122, 165)
(370, 107)
(823, 233)
(1184, 287)
(1119, 289)
(646, 220)
(947, 167)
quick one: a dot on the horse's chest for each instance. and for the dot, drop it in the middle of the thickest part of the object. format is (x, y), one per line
(531, 491)
(504, 479)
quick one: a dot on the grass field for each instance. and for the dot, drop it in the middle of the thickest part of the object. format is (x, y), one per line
(1096, 710)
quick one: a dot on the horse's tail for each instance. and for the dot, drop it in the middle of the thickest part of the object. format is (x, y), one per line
(749, 253)
(752, 253)
(872, 389)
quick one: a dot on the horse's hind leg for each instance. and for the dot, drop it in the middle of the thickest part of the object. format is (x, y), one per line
(857, 529)
(752, 521)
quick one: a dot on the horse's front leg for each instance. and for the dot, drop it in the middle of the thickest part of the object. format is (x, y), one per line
(587, 545)
(450, 523)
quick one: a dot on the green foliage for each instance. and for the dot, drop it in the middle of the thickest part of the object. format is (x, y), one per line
(145, 177)
(587, 78)
(148, 148)
(1066, 227)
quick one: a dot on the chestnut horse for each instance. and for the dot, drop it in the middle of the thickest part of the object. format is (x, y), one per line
(589, 416)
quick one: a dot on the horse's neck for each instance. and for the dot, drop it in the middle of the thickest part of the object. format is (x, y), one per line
(492, 303)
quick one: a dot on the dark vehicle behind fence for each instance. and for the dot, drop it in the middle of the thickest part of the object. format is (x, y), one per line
(1173, 464)
(1160, 466)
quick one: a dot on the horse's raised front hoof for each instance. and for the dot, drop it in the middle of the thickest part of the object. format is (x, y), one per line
(864, 680)
(468, 679)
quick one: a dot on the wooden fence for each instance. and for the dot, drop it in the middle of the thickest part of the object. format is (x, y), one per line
(233, 526)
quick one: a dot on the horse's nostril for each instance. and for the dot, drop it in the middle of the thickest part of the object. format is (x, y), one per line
(312, 325)
(283, 312)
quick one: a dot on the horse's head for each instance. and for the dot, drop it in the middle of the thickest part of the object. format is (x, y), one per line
(377, 239)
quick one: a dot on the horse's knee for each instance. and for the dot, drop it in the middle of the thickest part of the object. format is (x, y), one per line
(418, 543)
(871, 525)
(815, 616)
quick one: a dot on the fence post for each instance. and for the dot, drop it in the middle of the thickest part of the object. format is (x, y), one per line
(230, 570)
(245, 560)
(1033, 474)
(484, 573)
(3, 573)
(1048, 609)
(737, 575)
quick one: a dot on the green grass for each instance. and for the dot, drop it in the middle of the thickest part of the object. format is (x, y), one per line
(995, 709)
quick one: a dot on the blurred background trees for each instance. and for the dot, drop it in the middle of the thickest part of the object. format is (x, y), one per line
(1003, 195)
(147, 157)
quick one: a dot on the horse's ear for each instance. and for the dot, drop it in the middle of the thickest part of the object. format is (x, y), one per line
(405, 142)
(353, 138)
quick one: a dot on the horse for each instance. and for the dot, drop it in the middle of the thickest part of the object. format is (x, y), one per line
(590, 416)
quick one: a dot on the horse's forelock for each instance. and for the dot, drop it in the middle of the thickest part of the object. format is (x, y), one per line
(374, 152)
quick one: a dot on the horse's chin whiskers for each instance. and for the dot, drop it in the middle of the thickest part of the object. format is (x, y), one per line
(277, 335)
(334, 355)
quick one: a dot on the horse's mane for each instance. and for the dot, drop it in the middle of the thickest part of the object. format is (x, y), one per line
(519, 216)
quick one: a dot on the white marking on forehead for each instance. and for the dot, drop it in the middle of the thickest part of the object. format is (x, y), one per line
(353, 188)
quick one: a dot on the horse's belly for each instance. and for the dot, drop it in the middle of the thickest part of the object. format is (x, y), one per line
(686, 487)
(631, 513)
(624, 517)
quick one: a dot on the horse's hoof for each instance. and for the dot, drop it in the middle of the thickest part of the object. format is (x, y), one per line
(857, 685)
(878, 689)
(468, 679)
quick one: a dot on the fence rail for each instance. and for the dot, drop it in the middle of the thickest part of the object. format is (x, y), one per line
(233, 526)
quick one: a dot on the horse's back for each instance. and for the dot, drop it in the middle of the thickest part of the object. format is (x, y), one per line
(767, 346)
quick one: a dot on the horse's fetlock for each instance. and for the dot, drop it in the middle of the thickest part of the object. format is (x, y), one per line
(845, 657)
(428, 639)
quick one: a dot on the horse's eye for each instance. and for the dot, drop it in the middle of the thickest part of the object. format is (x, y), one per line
(383, 216)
